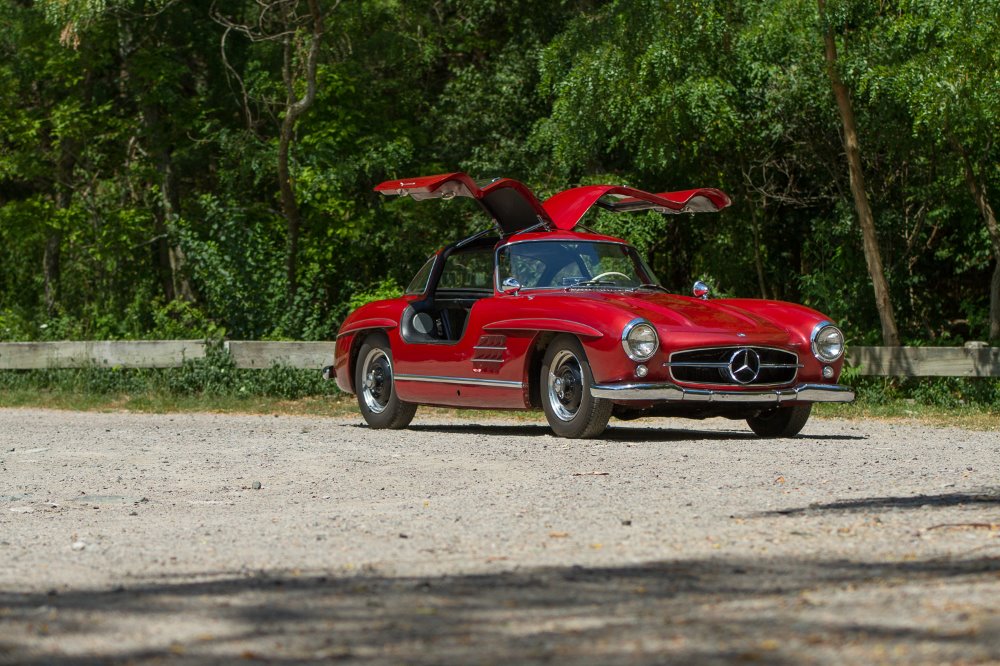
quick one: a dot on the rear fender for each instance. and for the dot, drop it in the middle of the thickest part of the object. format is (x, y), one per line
(357, 338)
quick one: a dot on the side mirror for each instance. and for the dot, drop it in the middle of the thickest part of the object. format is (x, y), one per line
(700, 290)
(510, 286)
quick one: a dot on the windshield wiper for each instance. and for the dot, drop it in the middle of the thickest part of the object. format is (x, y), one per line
(592, 283)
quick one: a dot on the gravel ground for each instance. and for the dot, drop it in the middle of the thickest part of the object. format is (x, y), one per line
(203, 538)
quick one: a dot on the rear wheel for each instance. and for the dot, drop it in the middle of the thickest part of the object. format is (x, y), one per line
(566, 379)
(376, 388)
(780, 421)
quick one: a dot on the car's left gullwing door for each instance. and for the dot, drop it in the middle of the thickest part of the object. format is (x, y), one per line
(509, 202)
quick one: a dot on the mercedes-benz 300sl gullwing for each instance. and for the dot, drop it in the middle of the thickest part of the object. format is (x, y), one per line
(538, 312)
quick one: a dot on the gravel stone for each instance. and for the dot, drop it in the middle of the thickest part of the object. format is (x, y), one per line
(664, 541)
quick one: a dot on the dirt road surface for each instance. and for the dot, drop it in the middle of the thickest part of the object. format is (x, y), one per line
(202, 538)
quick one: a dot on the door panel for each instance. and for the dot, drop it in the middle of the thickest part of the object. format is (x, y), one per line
(482, 369)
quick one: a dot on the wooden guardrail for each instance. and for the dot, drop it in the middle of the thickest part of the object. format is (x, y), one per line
(248, 354)
(106, 353)
(973, 360)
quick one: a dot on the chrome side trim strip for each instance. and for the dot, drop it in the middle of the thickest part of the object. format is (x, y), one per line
(495, 383)
(490, 348)
(674, 393)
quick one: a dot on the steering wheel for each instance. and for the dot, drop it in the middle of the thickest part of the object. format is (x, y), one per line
(608, 274)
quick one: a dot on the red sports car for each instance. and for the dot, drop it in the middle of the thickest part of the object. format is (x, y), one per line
(536, 311)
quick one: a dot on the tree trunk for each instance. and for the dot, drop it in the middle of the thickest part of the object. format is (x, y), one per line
(289, 207)
(978, 193)
(873, 256)
(52, 257)
(168, 255)
(175, 256)
(757, 259)
(50, 265)
(294, 108)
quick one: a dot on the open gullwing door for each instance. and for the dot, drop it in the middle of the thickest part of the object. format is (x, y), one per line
(507, 201)
(569, 206)
(515, 208)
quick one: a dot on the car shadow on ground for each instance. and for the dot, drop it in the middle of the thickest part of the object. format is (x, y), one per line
(693, 611)
(613, 433)
(986, 496)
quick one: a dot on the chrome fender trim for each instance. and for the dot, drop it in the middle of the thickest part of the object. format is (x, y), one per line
(495, 383)
(672, 393)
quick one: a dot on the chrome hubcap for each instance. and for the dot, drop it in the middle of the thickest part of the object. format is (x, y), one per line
(377, 385)
(565, 385)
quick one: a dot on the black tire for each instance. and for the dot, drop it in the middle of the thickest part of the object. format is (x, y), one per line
(376, 391)
(780, 421)
(565, 391)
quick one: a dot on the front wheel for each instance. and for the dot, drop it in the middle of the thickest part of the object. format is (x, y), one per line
(373, 381)
(566, 379)
(780, 421)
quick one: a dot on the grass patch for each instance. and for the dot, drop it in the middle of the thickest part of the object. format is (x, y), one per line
(214, 384)
(970, 417)
(162, 403)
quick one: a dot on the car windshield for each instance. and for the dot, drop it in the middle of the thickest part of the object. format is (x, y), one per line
(573, 264)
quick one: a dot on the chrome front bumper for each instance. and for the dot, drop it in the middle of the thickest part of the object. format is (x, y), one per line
(674, 393)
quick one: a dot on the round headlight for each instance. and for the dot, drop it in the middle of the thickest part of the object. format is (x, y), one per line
(639, 340)
(827, 342)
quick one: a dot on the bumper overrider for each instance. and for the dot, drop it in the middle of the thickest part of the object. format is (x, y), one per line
(667, 392)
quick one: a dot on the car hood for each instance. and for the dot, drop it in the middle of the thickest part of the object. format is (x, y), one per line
(717, 316)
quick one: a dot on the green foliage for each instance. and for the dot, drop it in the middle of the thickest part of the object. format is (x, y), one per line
(214, 376)
(942, 392)
(146, 155)
(383, 290)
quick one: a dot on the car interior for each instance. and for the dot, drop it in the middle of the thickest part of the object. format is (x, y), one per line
(441, 317)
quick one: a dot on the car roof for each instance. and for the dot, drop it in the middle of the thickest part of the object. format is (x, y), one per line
(559, 235)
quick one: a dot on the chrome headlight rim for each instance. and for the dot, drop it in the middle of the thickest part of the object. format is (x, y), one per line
(632, 326)
(815, 345)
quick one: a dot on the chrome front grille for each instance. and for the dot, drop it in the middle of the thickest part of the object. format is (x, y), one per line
(734, 366)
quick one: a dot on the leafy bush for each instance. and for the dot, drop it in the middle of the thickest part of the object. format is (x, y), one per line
(946, 392)
(380, 291)
(213, 376)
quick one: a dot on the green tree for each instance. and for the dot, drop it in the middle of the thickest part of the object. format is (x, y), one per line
(943, 66)
(852, 149)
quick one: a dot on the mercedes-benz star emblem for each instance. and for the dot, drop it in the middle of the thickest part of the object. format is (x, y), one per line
(744, 366)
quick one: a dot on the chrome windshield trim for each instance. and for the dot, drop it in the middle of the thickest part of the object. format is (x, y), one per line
(494, 383)
(666, 392)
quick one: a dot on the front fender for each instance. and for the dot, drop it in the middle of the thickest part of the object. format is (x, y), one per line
(545, 324)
